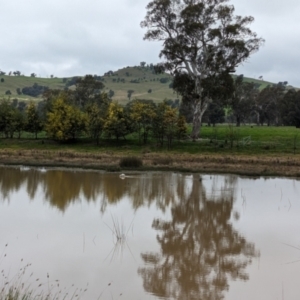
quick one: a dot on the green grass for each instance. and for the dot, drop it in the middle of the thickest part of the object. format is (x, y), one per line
(263, 84)
(147, 80)
(248, 140)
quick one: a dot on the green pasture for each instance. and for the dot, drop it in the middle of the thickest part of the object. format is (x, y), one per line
(221, 139)
(249, 139)
(146, 80)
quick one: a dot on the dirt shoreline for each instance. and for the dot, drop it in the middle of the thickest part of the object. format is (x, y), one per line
(275, 165)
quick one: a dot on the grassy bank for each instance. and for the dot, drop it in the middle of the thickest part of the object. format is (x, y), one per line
(238, 164)
(248, 150)
(221, 139)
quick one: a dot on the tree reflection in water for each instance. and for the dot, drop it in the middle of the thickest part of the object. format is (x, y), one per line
(200, 249)
(61, 188)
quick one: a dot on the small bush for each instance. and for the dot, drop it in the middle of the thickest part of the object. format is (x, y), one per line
(269, 147)
(130, 162)
(34, 90)
(164, 80)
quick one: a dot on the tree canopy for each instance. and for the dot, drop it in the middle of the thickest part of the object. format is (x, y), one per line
(201, 38)
(88, 89)
(64, 122)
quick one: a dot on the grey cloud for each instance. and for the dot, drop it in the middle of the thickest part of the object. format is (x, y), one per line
(78, 37)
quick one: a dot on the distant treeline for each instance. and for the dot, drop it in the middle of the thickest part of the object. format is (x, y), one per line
(88, 111)
(276, 104)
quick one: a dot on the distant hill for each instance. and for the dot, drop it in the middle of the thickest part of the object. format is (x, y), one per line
(142, 80)
(12, 83)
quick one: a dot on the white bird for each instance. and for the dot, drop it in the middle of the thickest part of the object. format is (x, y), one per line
(122, 176)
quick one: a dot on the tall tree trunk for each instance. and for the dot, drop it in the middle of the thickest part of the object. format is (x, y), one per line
(199, 107)
(257, 118)
(196, 122)
(238, 121)
(277, 120)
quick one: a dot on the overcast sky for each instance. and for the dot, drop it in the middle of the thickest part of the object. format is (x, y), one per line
(78, 37)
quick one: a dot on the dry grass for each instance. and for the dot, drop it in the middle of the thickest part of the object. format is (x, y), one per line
(163, 161)
(282, 165)
(23, 285)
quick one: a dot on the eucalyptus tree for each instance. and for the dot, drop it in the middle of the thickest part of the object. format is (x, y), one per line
(88, 90)
(215, 113)
(243, 99)
(269, 102)
(201, 38)
(97, 113)
(290, 108)
(11, 119)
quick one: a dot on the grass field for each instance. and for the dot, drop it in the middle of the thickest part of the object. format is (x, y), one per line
(252, 139)
(146, 81)
(222, 139)
(254, 151)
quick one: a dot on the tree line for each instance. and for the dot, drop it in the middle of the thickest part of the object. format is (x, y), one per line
(88, 111)
(276, 104)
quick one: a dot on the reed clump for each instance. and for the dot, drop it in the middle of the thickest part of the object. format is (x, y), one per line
(23, 285)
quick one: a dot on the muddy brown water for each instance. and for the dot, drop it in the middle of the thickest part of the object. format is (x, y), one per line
(149, 235)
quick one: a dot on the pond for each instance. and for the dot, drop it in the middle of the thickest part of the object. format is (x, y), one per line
(156, 235)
